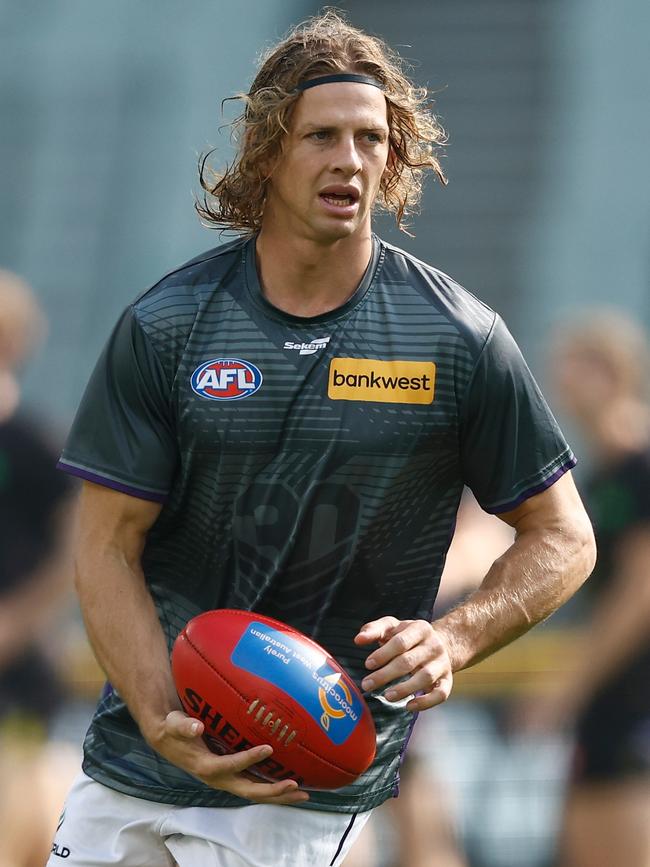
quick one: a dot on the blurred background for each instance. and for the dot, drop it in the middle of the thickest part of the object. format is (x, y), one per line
(104, 110)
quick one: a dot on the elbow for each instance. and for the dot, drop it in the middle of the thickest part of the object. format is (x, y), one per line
(586, 549)
(593, 552)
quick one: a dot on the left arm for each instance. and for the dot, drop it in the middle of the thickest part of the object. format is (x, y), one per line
(553, 553)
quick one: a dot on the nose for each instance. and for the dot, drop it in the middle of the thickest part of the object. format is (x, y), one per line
(345, 157)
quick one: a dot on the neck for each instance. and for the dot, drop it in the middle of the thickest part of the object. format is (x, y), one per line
(306, 278)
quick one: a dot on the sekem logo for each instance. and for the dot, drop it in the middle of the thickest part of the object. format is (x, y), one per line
(308, 348)
(226, 379)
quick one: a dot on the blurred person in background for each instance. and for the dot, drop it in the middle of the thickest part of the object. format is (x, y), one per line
(601, 370)
(33, 583)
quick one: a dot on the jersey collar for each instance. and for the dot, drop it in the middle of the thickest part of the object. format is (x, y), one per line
(255, 290)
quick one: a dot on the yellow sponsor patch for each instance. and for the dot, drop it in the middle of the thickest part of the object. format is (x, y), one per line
(381, 381)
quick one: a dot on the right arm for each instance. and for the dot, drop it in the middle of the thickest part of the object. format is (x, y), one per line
(128, 641)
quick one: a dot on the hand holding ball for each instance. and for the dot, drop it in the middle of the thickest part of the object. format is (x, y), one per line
(254, 680)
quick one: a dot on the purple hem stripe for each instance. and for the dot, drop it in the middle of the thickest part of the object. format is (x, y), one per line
(111, 483)
(537, 489)
(402, 752)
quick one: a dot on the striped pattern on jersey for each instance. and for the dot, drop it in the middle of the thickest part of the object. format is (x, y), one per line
(324, 508)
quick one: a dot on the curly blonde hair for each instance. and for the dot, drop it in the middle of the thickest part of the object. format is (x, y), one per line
(325, 44)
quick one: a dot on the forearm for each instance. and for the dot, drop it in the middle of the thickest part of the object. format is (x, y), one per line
(128, 640)
(535, 576)
(126, 636)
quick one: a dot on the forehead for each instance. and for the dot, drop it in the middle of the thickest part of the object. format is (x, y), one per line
(339, 103)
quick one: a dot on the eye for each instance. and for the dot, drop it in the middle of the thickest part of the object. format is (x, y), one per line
(319, 135)
(374, 138)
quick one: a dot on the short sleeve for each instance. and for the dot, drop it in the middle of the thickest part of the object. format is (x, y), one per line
(511, 445)
(123, 434)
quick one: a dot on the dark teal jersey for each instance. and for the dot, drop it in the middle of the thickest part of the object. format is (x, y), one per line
(310, 468)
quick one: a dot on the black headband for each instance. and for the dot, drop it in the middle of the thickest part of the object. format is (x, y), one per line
(354, 77)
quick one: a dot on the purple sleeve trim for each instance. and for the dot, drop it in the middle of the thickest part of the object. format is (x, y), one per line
(111, 483)
(536, 489)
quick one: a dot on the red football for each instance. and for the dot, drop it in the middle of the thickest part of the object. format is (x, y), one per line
(254, 680)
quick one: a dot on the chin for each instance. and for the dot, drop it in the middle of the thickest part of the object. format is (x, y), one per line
(336, 230)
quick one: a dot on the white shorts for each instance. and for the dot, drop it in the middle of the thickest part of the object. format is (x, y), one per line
(100, 826)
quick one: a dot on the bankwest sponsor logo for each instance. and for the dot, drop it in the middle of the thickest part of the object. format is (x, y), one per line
(381, 381)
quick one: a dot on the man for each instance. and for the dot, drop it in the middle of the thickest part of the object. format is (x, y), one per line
(285, 424)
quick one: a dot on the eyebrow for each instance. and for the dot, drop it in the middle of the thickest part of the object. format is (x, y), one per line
(324, 127)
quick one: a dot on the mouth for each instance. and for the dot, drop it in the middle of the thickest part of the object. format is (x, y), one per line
(343, 199)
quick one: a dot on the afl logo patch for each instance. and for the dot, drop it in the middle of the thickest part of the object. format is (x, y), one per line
(226, 379)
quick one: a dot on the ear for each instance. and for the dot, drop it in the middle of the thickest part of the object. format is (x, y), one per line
(269, 164)
(266, 169)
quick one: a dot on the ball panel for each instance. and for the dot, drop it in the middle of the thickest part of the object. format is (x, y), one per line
(209, 697)
(303, 674)
(266, 647)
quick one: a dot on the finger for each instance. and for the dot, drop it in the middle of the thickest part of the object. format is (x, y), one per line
(422, 682)
(297, 797)
(439, 694)
(401, 666)
(407, 634)
(181, 725)
(288, 797)
(284, 791)
(375, 630)
(237, 763)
